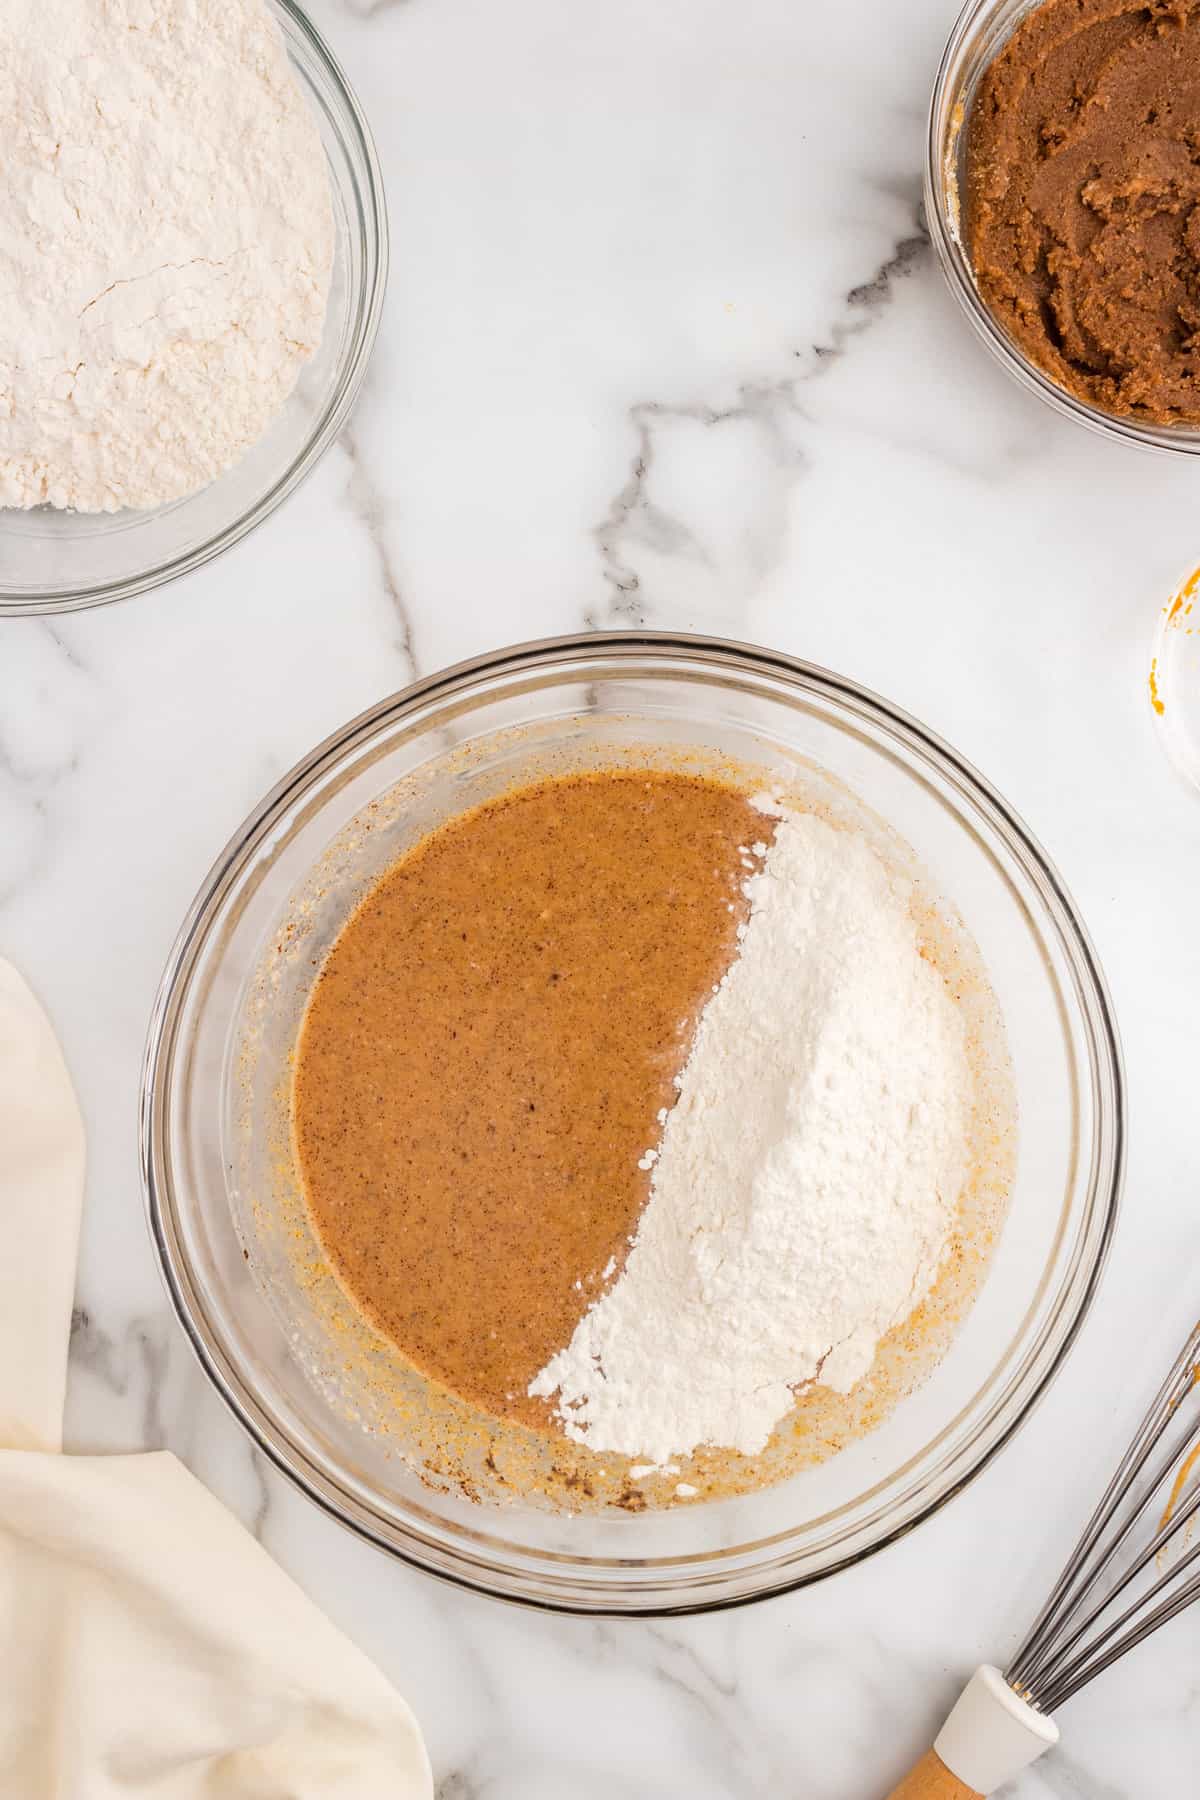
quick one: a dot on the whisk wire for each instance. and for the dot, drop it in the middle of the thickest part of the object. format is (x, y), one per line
(1114, 1651)
(1044, 1670)
(1062, 1595)
(1067, 1673)
(1055, 1647)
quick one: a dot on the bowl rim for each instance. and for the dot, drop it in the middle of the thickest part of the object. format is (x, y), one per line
(463, 1567)
(955, 264)
(373, 201)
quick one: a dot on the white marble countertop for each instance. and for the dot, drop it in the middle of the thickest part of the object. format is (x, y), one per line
(665, 344)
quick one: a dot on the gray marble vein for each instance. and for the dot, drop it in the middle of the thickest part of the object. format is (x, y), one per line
(680, 1661)
(134, 1362)
(261, 1477)
(57, 632)
(51, 700)
(364, 498)
(151, 1347)
(631, 512)
(370, 9)
(870, 297)
(1064, 1776)
(95, 1351)
(458, 1785)
(636, 524)
(772, 412)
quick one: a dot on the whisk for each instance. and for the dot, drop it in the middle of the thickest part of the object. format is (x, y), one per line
(1118, 1586)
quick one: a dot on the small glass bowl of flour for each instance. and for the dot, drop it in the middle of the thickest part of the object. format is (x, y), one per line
(156, 416)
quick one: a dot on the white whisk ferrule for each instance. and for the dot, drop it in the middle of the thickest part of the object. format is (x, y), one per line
(992, 1734)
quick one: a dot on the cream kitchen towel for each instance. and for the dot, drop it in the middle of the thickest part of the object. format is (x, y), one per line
(148, 1646)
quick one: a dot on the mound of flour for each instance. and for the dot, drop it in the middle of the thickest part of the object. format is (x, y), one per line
(807, 1180)
(166, 237)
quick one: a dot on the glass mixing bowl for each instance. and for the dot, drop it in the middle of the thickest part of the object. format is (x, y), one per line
(57, 561)
(278, 881)
(980, 31)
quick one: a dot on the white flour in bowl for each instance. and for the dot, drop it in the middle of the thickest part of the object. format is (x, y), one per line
(166, 238)
(806, 1185)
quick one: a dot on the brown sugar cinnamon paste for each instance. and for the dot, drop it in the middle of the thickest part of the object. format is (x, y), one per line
(487, 1052)
(1082, 200)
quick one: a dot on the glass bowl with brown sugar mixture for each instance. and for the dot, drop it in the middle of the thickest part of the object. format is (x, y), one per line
(380, 1382)
(1062, 194)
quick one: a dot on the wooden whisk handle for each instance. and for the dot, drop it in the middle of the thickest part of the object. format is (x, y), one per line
(990, 1736)
(932, 1780)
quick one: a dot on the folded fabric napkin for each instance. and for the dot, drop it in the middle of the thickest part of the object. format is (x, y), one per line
(148, 1646)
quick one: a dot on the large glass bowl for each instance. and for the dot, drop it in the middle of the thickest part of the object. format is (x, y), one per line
(439, 739)
(980, 32)
(52, 560)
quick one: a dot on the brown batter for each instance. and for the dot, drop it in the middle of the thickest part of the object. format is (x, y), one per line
(486, 1052)
(1082, 209)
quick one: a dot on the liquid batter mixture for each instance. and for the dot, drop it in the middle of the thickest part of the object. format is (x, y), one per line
(487, 1053)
